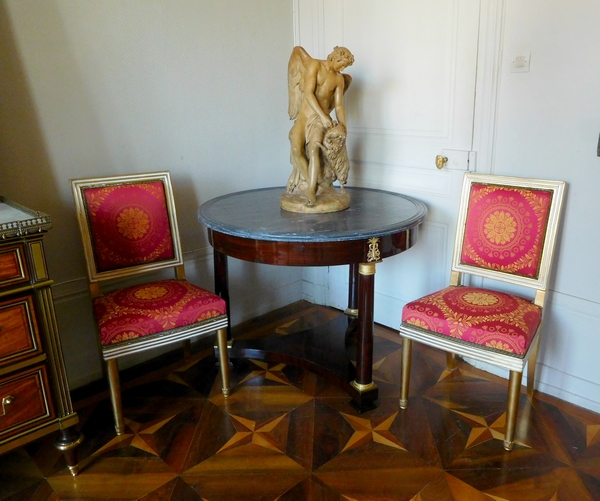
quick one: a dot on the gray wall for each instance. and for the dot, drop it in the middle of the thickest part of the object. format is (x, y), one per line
(90, 88)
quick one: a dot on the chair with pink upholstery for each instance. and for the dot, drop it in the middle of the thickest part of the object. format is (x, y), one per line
(129, 228)
(506, 231)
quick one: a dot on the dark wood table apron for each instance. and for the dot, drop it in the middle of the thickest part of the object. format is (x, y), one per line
(250, 225)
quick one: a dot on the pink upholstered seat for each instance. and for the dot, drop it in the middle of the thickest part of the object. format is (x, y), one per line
(506, 231)
(146, 309)
(490, 319)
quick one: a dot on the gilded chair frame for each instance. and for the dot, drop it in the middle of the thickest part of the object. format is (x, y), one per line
(110, 353)
(540, 282)
(78, 187)
(453, 347)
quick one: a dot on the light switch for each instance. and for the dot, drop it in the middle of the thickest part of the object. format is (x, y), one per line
(520, 62)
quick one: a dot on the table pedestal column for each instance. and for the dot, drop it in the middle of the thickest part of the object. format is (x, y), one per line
(222, 284)
(352, 310)
(364, 347)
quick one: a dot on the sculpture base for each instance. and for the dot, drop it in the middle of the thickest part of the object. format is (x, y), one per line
(327, 201)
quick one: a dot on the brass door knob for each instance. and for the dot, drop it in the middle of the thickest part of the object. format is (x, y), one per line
(440, 161)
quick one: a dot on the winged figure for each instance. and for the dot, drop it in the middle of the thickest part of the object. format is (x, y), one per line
(316, 88)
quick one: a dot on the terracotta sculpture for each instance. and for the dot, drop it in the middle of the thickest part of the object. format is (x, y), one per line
(318, 143)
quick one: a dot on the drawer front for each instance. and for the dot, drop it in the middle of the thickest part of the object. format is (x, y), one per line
(13, 268)
(19, 334)
(25, 401)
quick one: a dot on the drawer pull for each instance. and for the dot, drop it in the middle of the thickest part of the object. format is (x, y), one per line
(6, 401)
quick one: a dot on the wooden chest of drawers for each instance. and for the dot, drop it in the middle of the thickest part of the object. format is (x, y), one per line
(34, 391)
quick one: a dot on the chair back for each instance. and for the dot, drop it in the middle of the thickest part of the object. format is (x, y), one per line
(507, 228)
(128, 224)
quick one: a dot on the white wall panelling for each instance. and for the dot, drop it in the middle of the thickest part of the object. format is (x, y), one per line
(434, 76)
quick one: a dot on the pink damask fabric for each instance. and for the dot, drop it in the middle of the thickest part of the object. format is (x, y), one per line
(505, 228)
(151, 308)
(129, 224)
(496, 320)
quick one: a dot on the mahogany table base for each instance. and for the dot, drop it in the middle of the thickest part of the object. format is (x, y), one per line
(251, 226)
(327, 350)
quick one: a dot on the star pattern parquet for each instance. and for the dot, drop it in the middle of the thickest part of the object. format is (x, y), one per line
(286, 434)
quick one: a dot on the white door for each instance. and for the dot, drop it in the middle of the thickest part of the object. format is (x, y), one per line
(412, 98)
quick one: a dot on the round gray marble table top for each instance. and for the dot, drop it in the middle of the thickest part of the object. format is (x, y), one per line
(257, 214)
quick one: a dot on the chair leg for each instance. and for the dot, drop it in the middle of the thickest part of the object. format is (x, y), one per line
(187, 349)
(514, 390)
(531, 366)
(223, 360)
(115, 394)
(450, 361)
(406, 362)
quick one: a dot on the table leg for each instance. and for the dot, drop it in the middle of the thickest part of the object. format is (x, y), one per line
(222, 283)
(367, 389)
(352, 310)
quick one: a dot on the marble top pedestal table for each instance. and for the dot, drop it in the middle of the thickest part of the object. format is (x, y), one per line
(251, 225)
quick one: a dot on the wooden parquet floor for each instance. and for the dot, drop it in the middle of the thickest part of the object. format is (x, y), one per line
(286, 434)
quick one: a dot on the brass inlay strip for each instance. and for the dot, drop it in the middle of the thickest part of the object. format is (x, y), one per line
(363, 387)
(25, 363)
(67, 447)
(68, 421)
(54, 350)
(28, 436)
(37, 251)
(26, 288)
(351, 312)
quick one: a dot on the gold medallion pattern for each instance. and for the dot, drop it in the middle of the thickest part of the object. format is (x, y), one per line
(480, 298)
(151, 292)
(505, 228)
(129, 225)
(133, 223)
(500, 227)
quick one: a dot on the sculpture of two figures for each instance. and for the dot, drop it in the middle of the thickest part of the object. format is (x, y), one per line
(318, 143)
